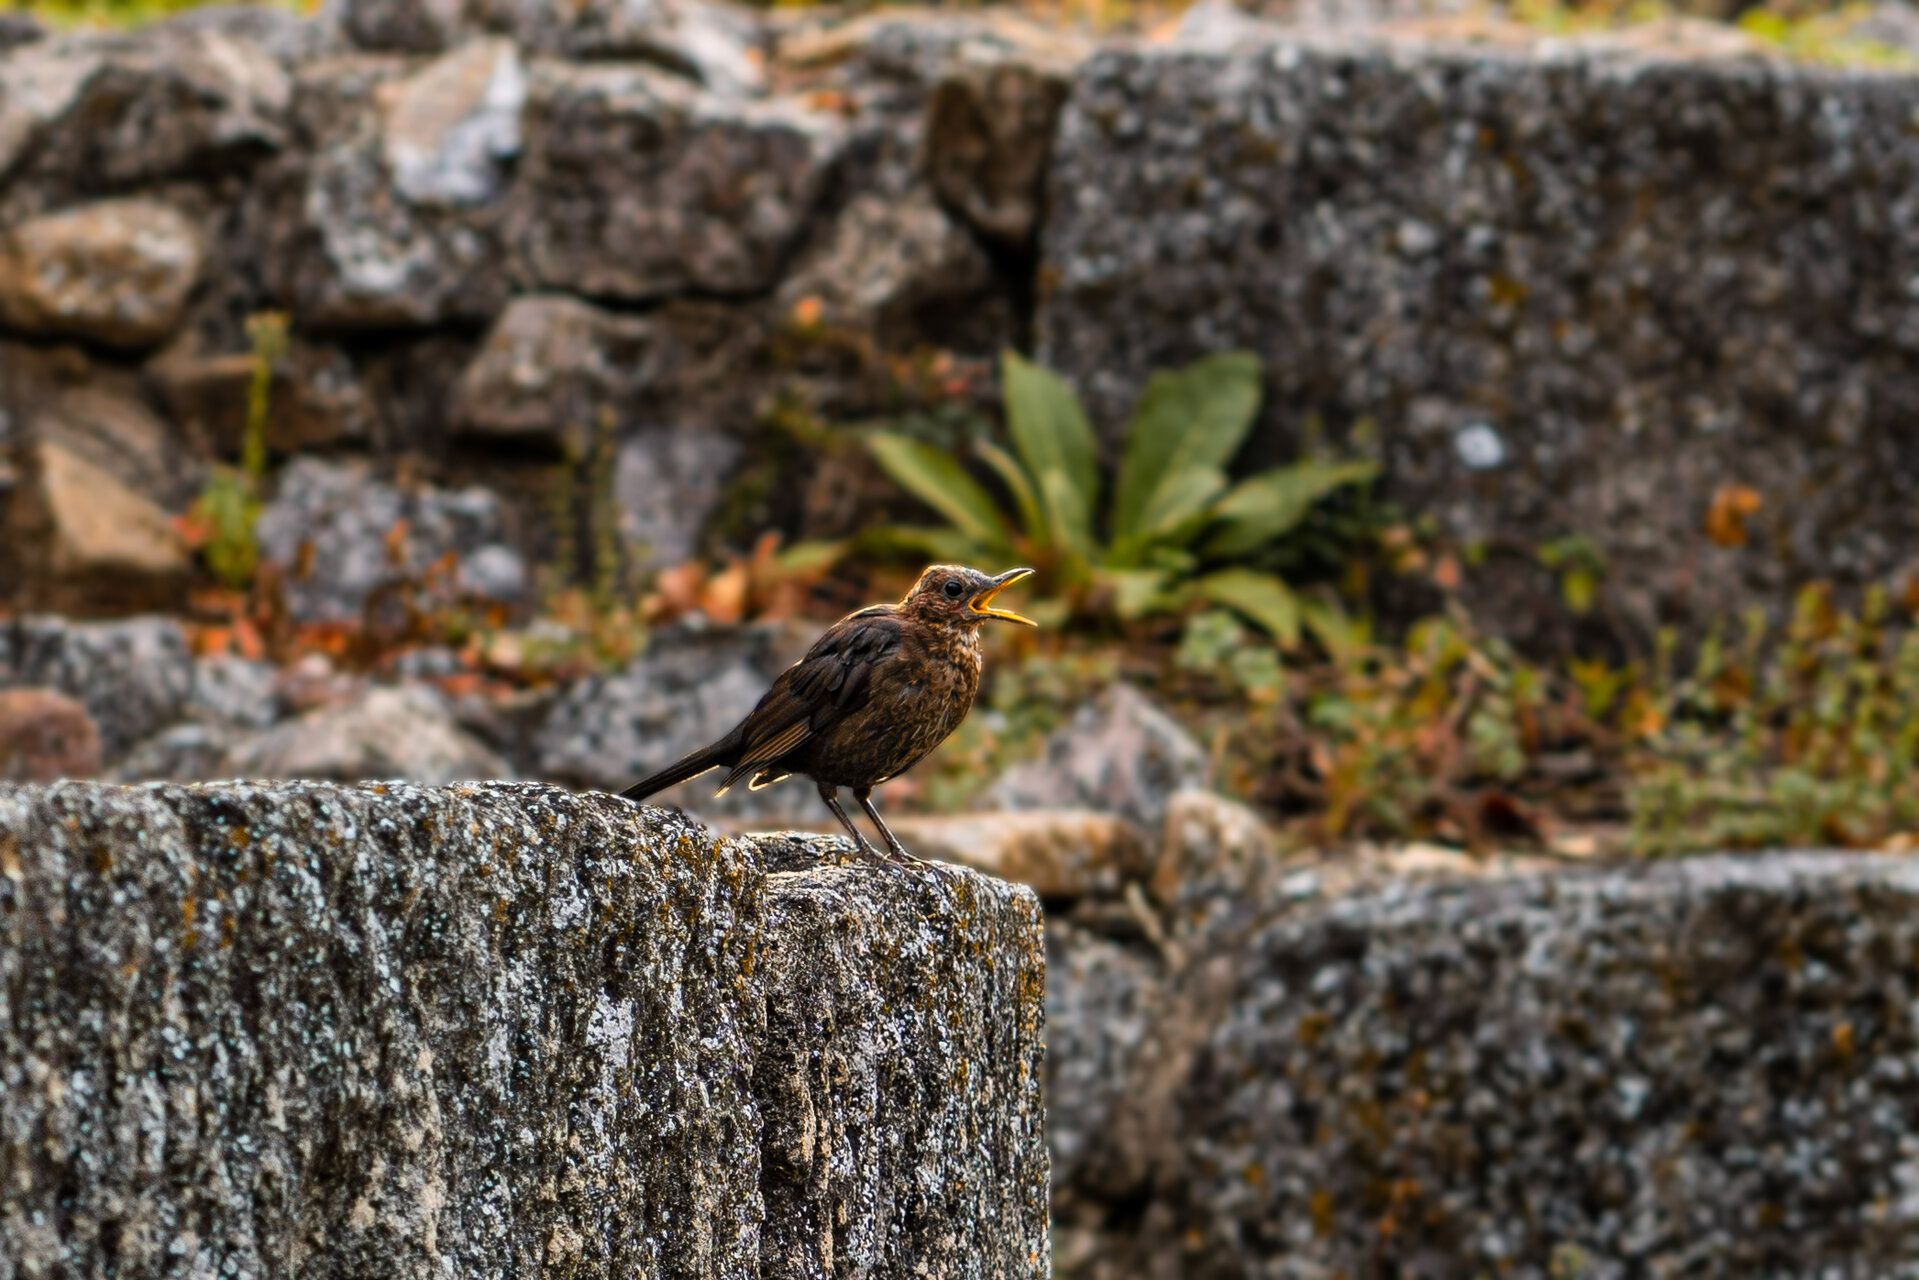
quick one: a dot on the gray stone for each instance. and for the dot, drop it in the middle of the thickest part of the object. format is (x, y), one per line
(636, 185)
(282, 34)
(333, 526)
(45, 736)
(1101, 1000)
(232, 690)
(91, 112)
(713, 44)
(989, 138)
(453, 127)
(1119, 754)
(667, 482)
(190, 752)
(550, 365)
(399, 26)
(344, 245)
(133, 676)
(318, 398)
(899, 268)
(117, 272)
(18, 28)
(490, 1030)
(405, 733)
(1648, 277)
(1665, 1066)
(79, 540)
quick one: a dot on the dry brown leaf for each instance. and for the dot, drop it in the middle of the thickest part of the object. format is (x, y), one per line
(1732, 505)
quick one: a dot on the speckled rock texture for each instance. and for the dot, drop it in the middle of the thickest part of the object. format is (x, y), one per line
(1571, 294)
(500, 1030)
(1701, 1068)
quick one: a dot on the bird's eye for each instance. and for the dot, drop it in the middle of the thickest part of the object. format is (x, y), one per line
(953, 590)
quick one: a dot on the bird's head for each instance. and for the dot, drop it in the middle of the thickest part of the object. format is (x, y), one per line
(953, 595)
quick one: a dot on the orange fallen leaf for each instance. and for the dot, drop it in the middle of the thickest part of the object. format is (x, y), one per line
(724, 600)
(1732, 505)
(807, 312)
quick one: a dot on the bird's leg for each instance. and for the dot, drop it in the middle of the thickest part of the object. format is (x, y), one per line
(832, 797)
(865, 796)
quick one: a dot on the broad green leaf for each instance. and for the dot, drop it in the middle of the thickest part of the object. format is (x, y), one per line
(1068, 520)
(937, 479)
(946, 546)
(805, 557)
(1264, 508)
(1136, 592)
(1340, 635)
(1177, 513)
(1189, 419)
(1020, 485)
(1052, 437)
(1261, 598)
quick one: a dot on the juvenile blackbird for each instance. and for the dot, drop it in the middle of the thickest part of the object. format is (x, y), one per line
(879, 690)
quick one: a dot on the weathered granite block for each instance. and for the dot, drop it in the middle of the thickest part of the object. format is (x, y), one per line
(1574, 294)
(496, 1030)
(1699, 1068)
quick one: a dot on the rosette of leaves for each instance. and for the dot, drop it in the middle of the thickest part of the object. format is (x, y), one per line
(1173, 532)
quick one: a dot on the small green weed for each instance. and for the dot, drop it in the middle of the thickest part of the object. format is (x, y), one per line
(221, 522)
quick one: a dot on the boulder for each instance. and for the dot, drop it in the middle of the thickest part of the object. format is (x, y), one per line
(989, 137)
(1119, 754)
(453, 127)
(667, 483)
(1102, 1001)
(89, 112)
(636, 184)
(44, 736)
(102, 414)
(549, 365)
(318, 398)
(133, 676)
(1657, 1065)
(346, 538)
(489, 1030)
(117, 272)
(18, 28)
(1573, 294)
(81, 541)
(899, 268)
(403, 732)
(343, 244)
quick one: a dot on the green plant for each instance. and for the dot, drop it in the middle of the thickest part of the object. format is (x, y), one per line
(221, 523)
(1176, 532)
(1809, 739)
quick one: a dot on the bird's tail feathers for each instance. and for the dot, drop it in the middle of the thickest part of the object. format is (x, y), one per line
(691, 766)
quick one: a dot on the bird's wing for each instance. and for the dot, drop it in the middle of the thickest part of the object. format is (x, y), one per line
(831, 681)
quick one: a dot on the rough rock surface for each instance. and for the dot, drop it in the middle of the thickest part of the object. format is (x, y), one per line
(44, 736)
(549, 365)
(636, 185)
(497, 1030)
(133, 676)
(405, 733)
(1119, 754)
(353, 543)
(1574, 294)
(117, 272)
(80, 541)
(1695, 1065)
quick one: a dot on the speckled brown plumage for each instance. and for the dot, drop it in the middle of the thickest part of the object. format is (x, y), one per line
(870, 699)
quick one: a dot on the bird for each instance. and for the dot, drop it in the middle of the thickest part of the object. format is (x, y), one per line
(877, 692)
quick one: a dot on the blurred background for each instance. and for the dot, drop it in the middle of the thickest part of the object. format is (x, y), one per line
(1465, 450)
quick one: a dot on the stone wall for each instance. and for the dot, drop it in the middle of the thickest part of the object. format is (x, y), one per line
(1576, 288)
(492, 1030)
(1573, 294)
(1692, 1068)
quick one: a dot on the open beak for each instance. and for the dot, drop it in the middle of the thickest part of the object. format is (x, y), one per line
(983, 602)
